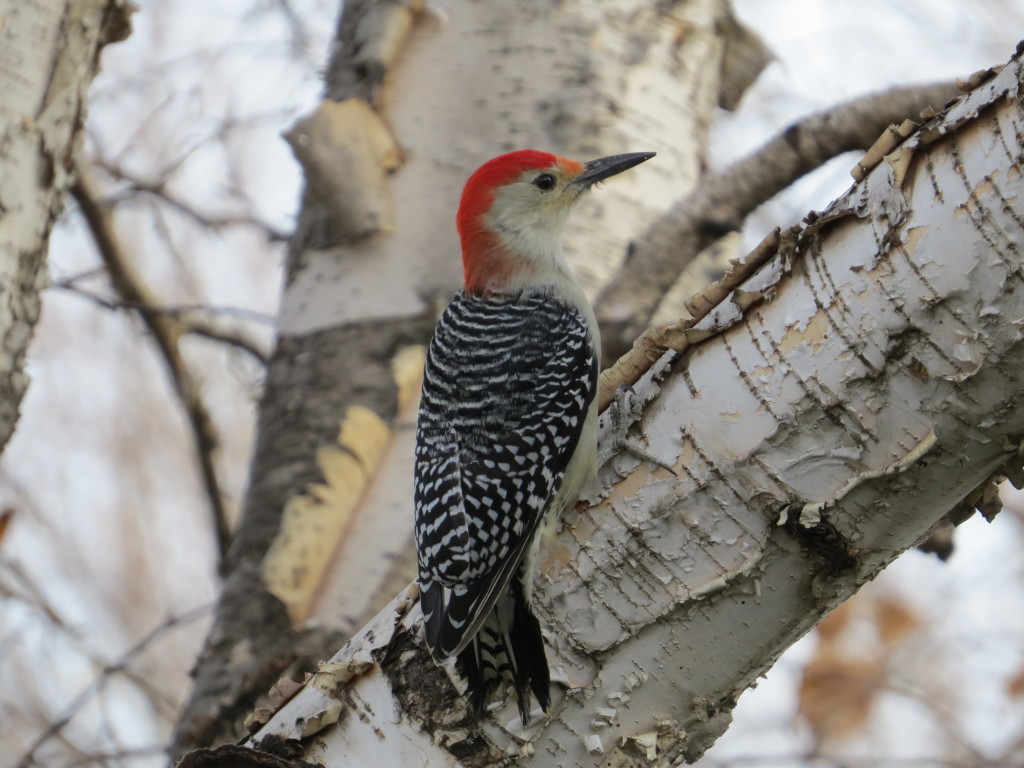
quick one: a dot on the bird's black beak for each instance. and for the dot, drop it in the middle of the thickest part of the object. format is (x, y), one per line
(603, 167)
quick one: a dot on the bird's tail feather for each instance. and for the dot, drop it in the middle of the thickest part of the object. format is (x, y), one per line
(509, 646)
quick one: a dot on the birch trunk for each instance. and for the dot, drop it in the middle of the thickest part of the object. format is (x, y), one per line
(417, 97)
(827, 414)
(49, 55)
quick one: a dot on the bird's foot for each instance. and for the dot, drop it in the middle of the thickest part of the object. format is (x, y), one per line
(624, 412)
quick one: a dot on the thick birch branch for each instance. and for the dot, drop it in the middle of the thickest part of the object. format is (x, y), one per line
(847, 396)
(720, 203)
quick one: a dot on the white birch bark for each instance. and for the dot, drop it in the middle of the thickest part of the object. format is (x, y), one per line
(860, 386)
(49, 54)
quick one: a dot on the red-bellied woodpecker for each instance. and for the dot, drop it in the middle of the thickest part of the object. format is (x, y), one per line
(507, 427)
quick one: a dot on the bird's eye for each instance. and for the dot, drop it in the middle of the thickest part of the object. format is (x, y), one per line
(545, 182)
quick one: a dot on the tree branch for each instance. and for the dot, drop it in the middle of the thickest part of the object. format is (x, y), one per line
(721, 203)
(189, 325)
(235, 339)
(174, 310)
(26, 592)
(653, 342)
(158, 190)
(57, 726)
(56, 52)
(166, 331)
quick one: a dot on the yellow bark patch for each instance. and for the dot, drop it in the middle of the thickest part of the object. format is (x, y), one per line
(815, 333)
(407, 369)
(914, 235)
(313, 523)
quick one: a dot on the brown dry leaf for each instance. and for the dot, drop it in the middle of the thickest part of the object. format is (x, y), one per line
(5, 519)
(838, 690)
(1015, 686)
(895, 620)
(837, 694)
(834, 624)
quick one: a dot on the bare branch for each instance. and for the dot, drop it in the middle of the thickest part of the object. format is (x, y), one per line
(73, 280)
(190, 325)
(166, 331)
(175, 310)
(721, 203)
(653, 342)
(158, 190)
(18, 585)
(298, 34)
(76, 705)
(235, 339)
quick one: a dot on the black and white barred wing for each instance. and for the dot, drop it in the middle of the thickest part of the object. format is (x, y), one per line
(506, 389)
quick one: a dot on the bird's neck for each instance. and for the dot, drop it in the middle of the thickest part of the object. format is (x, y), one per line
(524, 265)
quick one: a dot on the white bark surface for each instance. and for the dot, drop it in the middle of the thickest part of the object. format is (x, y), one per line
(871, 380)
(49, 52)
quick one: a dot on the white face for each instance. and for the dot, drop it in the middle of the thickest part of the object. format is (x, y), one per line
(531, 211)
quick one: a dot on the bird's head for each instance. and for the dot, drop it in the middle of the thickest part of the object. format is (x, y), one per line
(512, 213)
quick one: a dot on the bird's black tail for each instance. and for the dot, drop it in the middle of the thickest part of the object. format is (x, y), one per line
(509, 647)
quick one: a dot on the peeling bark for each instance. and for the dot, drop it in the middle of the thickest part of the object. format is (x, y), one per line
(723, 201)
(817, 431)
(49, 57)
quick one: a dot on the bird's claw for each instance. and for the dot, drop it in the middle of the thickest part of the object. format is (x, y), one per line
(625, 412)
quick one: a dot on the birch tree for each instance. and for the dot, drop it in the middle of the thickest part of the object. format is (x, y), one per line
(848, 387)
(50, 56)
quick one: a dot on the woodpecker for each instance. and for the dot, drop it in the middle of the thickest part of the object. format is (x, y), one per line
(507, 428)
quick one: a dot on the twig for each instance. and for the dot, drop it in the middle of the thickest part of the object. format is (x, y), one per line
(35, 600)
(654, 342)
(72, 280)
(300, 42)
(175, 310)
(720, 203)
(166, 331)
(158, 189)
(189, 325)
(97, 685)
(233, 338)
